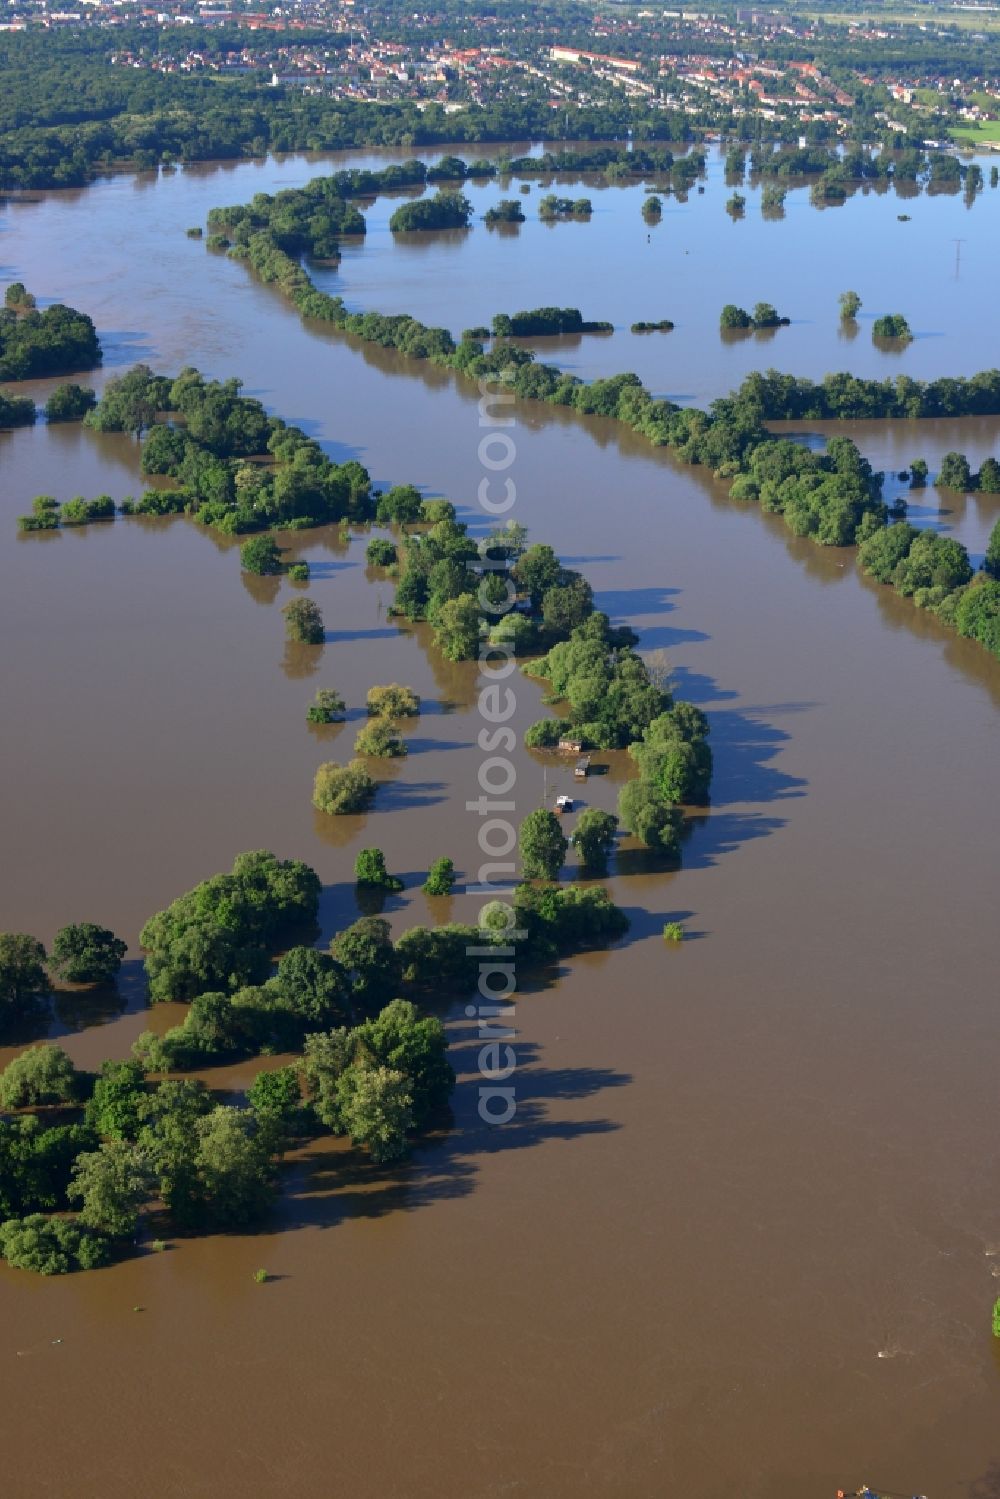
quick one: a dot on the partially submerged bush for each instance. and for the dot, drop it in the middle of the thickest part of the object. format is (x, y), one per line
(370, 871)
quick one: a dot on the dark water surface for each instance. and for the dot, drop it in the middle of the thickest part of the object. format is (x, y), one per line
(741, 1234)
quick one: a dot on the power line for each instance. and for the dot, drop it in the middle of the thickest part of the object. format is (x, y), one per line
(958, 255)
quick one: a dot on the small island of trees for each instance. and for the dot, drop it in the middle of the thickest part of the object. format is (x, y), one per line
(34, 344)
(17, 411)
(663, 326)
(92, 1161)
(446, 210)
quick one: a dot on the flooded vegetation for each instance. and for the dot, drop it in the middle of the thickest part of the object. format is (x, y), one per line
(741, 1230)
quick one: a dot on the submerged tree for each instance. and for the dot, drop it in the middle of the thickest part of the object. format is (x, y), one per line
(261, 555)
(955, 472)
(327, 707)
(992, 562)
(892, 325)
(304, 622)
(111, 1183)
(988, 478)
(69, 403)
(733, 317)
(646, 813)
(440, 878)
(233, 1166)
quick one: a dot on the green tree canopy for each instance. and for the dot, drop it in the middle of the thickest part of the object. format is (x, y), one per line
(42, 1074)
(87, 954)
(594, 838)
(23, 980)
(340, 789)
(304, 622)
(376, 1110)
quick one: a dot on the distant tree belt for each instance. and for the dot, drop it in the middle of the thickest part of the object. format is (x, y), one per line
(54, 342)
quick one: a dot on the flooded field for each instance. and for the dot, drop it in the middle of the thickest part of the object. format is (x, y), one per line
(741, 1233)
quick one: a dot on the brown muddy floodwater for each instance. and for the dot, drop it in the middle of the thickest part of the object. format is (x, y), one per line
(742, 1234)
